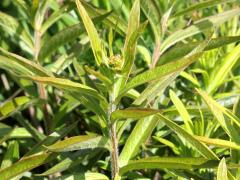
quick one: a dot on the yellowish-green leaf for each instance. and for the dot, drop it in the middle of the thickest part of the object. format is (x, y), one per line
(12, 26)
(85, 176)
(201, 5)
(67, 85)
(10, 60)
(11, 155)
(222, 170)
(180, 50)
(137, 113)
(78, 143)
(25, 165)
(219, 112)
(182, 111)
(95, 41)
(160, 72)
(197, 145)
(199, 27)
(14, 105)
(130, 42)
(221, 71)
(218, 142)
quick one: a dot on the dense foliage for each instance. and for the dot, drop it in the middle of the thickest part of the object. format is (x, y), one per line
(119, 89)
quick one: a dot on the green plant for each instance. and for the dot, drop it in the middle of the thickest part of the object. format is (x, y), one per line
(105, 89)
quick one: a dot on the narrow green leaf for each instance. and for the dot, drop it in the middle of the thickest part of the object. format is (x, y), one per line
(138, 136)
(130, 49)
(113, 21)
(11, 155)
(56, 16)
(182, 111)
(50, 139)
(153, 13)
(67, 85)
(98, 75)
(131, 37)
(168, 163)
(198, 27)
(160, 72)
(14, 105)
(222, 170)
(201, 5)
(72, 160)
(137, 113)
(197, 145)
(85, 176)
(62, 37)
(25, 165)
(32, 130)
(11, 59)
(219, 74)
(93, 35)
(12, 26)
(219, 112)
(181, 50)
(78, 143)
(218, 142)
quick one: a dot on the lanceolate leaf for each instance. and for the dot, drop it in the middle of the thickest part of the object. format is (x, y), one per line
(55, 16)
(78, 143)
(67, 85)
(25, 165)
(160, 72)
(137, 113)
(113, 21)
(9, 61)
(72, 160)
(93, 35)
(198, 27)
(222, 170)
(168, 163)
(66, 35)
(151, 10)
(52, 138)
(201, 5)
(181, 50)
(85, 176)
(14, 105)
(131, 39)
(11, 155)
(197, 145)
(12, 26)
(182, 111)
(218, 142)
(219, 112)
(138, 136)
(220, 73)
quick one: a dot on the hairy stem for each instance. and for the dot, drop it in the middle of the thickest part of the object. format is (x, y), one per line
(113, 137)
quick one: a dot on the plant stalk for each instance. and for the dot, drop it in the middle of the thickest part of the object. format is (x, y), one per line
(113, 137)
(41, 90)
